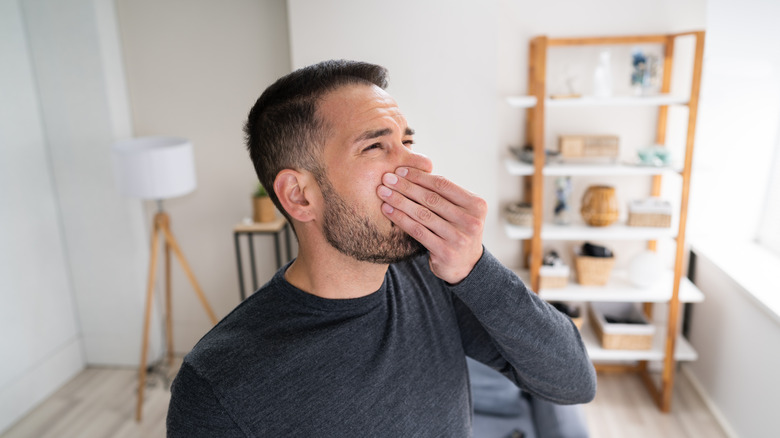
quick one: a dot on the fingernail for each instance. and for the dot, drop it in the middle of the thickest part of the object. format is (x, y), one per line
(390, 179)
(402, 171)
(384, 191)
(387, 208)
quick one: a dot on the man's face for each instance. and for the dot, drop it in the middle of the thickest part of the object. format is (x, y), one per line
(367, 137)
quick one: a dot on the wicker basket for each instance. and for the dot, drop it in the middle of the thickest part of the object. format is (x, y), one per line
(519, 213)
(593, 271)
(650, 212)
(649, 220)
(621, 336)
(553, 277)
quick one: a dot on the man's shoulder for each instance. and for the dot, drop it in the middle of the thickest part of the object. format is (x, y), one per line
(237, 338)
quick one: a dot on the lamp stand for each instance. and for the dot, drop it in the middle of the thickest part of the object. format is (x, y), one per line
(162, 224)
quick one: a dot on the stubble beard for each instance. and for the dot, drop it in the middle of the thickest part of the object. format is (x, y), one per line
(356, 236)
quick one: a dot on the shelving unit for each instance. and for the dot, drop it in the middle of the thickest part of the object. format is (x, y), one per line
(672, 289)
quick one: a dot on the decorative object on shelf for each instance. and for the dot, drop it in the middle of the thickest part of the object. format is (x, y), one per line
(602, 76)
(650, 212)
(572, 311)
(593, 265)
(553, 272)
(644, 73)
(655, 155)
(263, 208)
(644, 269)
(599, 206)
(588, 146)
(569, 84)
(562, 202)
(519, 213)
(629, 329)
(526, 154)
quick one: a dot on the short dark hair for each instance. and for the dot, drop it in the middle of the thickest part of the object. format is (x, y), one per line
(283, 130)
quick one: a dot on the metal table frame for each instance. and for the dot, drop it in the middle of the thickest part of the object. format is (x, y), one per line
(277, 227)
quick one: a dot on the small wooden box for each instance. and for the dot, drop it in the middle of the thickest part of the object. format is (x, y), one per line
(621, 336)
(588, 146)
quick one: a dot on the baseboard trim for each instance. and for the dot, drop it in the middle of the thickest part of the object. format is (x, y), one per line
(40, 382)
(716, 412)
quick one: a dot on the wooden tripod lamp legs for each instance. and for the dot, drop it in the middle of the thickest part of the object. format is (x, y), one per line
(162, 225)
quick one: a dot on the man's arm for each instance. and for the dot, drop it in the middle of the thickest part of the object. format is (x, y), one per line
(503, 324)
(195, 411)
(511, 329)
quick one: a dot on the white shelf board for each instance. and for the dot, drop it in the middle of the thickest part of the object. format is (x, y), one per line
(584, 232)
(519, 168)
(589, 101)
(620, 289)
(683, 350)
(521, 101)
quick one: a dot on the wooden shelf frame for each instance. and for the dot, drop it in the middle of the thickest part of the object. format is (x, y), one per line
(536, 105)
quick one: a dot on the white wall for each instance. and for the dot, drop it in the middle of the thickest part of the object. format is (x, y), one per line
(74, 46)
(194, 69)
(452, 63)
(40, 340)
(73, 251)
(737, 340)
(736, 337)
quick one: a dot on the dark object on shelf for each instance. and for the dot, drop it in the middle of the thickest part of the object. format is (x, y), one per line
(526, 153)
(615, 320)
(552, 259)
(570, 311)
(591, 250)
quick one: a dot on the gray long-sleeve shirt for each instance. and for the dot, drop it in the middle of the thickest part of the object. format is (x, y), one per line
(286, 363)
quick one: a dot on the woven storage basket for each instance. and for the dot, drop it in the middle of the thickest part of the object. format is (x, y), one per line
(553, 277)
(593, 271)
(621, 336)
(649, 220)
(519, 213)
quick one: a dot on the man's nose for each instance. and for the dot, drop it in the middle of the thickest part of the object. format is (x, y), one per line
(416, 160)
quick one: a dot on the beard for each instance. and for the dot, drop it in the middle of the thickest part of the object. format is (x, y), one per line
(353, 234)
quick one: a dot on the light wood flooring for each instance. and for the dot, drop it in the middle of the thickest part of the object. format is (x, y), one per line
(100, 403)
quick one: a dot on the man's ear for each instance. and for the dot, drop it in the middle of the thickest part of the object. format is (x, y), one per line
(297, 193)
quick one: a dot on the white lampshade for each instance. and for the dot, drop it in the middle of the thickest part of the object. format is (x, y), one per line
(155, 167)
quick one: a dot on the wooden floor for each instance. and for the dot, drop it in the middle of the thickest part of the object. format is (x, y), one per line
(100, 403)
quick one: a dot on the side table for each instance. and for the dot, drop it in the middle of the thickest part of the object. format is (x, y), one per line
(276, 228)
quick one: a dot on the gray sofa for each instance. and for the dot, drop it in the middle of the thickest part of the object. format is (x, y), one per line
(502, 410)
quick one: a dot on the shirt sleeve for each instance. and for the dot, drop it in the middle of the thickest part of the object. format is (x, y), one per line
(195, 411)
(506, 326)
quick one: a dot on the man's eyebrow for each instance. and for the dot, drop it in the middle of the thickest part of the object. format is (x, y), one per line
(368, 135)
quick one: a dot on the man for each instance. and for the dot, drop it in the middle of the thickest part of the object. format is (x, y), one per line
(366, 332)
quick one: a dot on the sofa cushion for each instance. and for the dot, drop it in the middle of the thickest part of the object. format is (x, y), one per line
(494, 394)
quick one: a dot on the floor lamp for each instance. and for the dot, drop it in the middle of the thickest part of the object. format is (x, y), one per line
(159, 168)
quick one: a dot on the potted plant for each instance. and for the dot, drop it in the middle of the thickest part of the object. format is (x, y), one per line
(264, 209)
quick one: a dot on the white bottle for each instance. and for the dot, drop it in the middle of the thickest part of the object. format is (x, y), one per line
(602, 77)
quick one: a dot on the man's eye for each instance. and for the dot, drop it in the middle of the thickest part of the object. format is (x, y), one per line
(373, 146)
(408, 143)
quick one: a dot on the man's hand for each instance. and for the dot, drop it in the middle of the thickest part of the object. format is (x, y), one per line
(445, 218)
